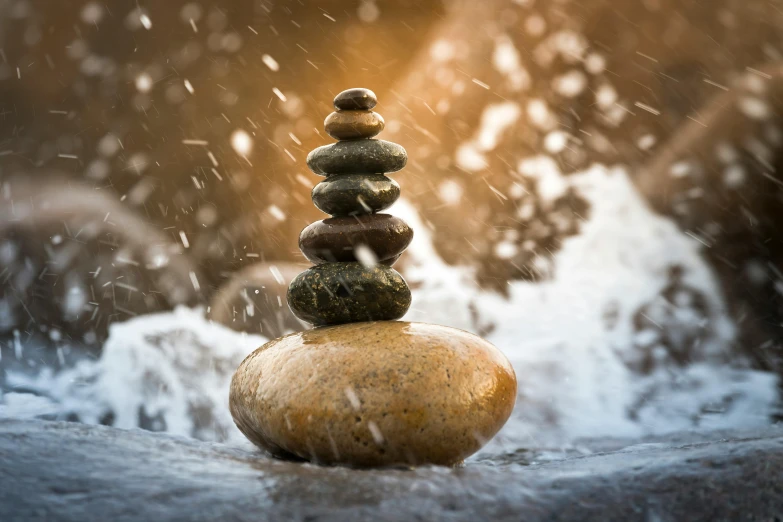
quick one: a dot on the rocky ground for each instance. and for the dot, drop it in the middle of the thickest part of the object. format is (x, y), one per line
(67, 471)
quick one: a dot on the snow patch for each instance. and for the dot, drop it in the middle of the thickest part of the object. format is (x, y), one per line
(569, 359)
(166, 372)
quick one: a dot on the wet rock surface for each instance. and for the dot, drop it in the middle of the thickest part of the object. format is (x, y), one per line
(353, 194)
(338, 239)
(357, 157)
(72, 472)
(336, 293)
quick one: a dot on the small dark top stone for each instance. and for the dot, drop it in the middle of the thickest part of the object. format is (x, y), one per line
(357, 157)
(337, 293)
(355, 99)
(335, 239)
(351, 194)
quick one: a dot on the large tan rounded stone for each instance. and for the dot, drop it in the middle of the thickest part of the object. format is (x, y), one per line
(374, 394)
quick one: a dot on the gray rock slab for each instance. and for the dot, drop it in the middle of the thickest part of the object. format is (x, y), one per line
(59, 471)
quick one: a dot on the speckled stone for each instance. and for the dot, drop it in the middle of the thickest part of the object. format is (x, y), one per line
(355, 99)
(374, 394)
(352, 125)
(357, 157)
(336, 293)
(335, 239)
(348, 194)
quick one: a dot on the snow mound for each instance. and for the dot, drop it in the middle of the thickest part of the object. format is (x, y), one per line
(165, 372)
(610, 345)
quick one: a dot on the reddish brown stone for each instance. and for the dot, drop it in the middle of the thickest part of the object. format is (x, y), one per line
(335, 239)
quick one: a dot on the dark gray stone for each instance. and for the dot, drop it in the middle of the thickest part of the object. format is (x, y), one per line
(54, 471)
(352, 194)
(357, 157)
(338, 293)
(357, 98)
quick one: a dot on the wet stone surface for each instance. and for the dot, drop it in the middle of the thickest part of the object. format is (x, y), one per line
(60, 471)
(357, 157)
(337, 293)
(355, 99)
(416, 393)
(336, 239)
(347, 194)
(352, 125)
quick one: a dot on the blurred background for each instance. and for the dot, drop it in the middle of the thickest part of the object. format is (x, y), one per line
(152, 154)
(173, 137)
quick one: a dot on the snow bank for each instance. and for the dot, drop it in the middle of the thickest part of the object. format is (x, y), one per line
(165, 372)
(574, 340)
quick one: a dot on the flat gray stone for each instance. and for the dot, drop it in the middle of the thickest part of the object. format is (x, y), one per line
(56, 471)
(357, 157)
(355, 194)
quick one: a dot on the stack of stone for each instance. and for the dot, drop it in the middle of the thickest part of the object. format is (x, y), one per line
(354, 250)
(375, 391)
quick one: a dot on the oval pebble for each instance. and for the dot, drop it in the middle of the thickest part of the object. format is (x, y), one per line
(351, 194)
(374, 394)
(353, 125)
(355, 99)
(336, 293)
(335, 239)
(357, 157)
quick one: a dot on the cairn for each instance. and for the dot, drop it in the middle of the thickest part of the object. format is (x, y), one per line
(363, 389)
(353, 251)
